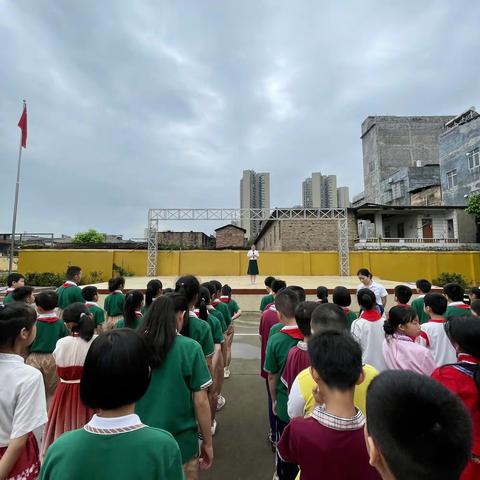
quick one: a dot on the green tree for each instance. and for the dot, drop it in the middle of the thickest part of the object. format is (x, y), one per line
(473, 207)
(90, 236)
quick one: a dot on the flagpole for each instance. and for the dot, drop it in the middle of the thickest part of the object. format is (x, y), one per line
(17, 187)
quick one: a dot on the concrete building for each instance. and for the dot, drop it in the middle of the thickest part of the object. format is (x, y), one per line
(320, 191)
(185, 239)
(459, 151)
(390, 143)
(230, 236)
(254, 193)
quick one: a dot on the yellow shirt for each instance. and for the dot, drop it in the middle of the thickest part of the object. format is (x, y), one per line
(306, 384)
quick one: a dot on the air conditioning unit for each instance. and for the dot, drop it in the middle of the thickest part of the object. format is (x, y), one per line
(419, 163)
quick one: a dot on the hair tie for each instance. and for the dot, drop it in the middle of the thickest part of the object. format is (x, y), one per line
(3, 306)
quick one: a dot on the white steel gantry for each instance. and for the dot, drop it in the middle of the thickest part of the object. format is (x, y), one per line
(339, 215)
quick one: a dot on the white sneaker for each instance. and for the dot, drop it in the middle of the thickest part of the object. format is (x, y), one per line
(220, 402)
(214, 427)
(226, 372)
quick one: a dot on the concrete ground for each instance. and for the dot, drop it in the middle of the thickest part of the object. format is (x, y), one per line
(241, 449)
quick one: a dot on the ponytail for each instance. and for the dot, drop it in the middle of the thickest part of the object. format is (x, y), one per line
(78, 315)
(203, 301)
(133, 301)
(227, 291)
(153, 288)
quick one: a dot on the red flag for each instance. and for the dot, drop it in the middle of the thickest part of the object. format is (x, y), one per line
(23, 126)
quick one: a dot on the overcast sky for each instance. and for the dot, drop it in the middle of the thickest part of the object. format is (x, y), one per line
(138, 104)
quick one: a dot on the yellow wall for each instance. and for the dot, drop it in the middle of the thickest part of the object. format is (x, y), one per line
(393, 265)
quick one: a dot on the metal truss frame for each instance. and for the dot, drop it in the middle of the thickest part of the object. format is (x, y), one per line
(156, 215)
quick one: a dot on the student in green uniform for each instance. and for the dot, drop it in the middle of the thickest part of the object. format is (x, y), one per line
(268, 298)
(132, 311)
(70, 292)
(278, 347)
(50, 329)
(90, 294)
(14, 280)
(114, 444)
(154, 290)
(456, 306)
(114, 302)
(423, 287)
(235, 313)
(342, 298)
(193, 327)
(177, 399)
(212, 310)
(24, 295)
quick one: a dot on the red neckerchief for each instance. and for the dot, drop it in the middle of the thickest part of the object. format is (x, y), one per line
(48, 318)
(293, 332)
(437, 320)
(225, 299)
(465, 357)
(346, 310)
(463, 306)
(215, 302)
(371, 315)
(66, 285)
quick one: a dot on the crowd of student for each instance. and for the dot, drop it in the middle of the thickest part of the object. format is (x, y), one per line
(132, 389)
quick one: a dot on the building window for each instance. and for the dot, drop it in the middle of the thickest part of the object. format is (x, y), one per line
(474, 159)
(451, 179)
(397, 190)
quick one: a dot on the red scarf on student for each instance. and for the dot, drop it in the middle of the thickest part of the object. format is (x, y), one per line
(371, 315)
(463, 306)
(52, 318)
(346, 310)
(215, 302)
(293, 332)
(225, 299)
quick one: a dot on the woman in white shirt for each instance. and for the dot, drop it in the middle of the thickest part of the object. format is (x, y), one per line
(381, 294)
(253, 255)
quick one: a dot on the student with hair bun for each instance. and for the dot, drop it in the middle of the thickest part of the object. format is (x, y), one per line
(154, 290)
(381, 294)
(132, 310)
(399, 347)
(463, 378)
(368, 329)
(67, 412)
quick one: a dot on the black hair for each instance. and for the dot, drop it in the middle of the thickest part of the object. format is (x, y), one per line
(397, 316)
(82, 322)
(210, 287)
(153, 288)
(336, 357)
(14, 277)
(341, 296)
(268, 281)
(14, 317)
(475, 292)
(300, 291)
(437, 302)
(403, 293)
(187, 286)
(454, 292)
(133, 301)
(89, 293)
(21, 293)
(365, 272)
(475, 306)
(278, 285)
(116, 370)
(115, 284)
(72, 271)
(442, 429)
(423, 285)
(168, 290)
(180, 304)
(303, 316)
(286, 302)
(322, 294)
(47, 300)
(202, 302)
(227, 291)
(217, 285)
(464, 331)
(159, 328)
(366, 299)
(328, 316)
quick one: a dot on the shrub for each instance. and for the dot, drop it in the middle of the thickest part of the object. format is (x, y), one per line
(120, 271)
(44, 279)
(450, 277)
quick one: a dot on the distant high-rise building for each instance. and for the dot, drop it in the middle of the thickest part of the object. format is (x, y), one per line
(343, 197)
(320, 191)
(254, 193)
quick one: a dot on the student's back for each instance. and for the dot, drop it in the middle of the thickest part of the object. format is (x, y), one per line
(268, 319)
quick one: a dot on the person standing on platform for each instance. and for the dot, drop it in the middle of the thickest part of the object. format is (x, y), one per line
(253, 255)
(381, 294)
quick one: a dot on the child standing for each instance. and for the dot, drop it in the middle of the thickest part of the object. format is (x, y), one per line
(403, 294)
(322, 294)
(342, 298)
(433, 334)
(22, 395)
(132, 310)
(456, 306)
(90, 294)
(14, 280)
(114, 444)
(176, 399)
(50, 329)
(23, 294)
(368, 329)
(154, 290)
(70, 292)
(399, 348)
(423, 287)
(463, 379)
(114, 302)
(268, 298)
(331, 443)
(436, 445)
(67, 412)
